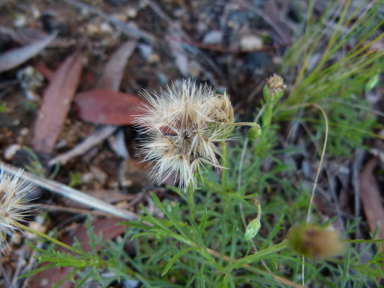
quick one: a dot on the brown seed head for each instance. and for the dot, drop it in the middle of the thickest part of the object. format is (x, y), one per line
(314, 242)
(275, 84)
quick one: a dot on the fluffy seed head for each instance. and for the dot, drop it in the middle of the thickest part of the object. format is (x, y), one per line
(183, 123)
(13, 191)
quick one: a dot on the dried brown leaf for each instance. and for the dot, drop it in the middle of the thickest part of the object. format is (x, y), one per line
(18, 56)
(49, 278)
(108, 107)
(114, 70)
(56, 103)
(371, 200)
(106, 227)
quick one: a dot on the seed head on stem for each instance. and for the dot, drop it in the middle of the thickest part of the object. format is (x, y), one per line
(13, 191)
(183, 124)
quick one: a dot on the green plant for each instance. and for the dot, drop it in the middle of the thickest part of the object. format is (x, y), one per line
(337, 63)
(202, 240)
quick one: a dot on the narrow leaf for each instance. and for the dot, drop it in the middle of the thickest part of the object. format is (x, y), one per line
(67, 277)
(114, 69)
(57, 100)
(14, 58)
(174, 259)
(38, 270)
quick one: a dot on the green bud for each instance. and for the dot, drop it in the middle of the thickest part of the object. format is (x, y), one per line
(253, 226)
(372, 82)
(254, 132)
(252, 229)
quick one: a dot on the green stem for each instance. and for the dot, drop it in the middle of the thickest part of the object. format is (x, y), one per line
(266, 133)
(49, 238)
(244, 124)
(191, 202)
(363, 241)
(224, 163)
(267, 117)
(259, 255)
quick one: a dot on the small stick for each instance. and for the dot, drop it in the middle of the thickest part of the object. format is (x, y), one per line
(126, 28)
(71, 210)
(88, 143)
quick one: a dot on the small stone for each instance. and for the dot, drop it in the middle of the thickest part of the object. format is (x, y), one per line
(24, 131)
(250, 42)
(178, 12)
(92, 29)
(87, 178)
(16, 122)
(194, 70)
(145, 50)
(131, 12)
(213, 37)
(10, 151)
(163, 79)
(99, 175)
(106, 28)
(29, 78)
(154, 58)
(39, 227)
(277, 60)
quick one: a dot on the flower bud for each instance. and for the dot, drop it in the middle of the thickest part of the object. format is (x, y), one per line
(314, 242)
(274, 89)
(253, 226)
(372, 82)
(254, 132)
(252, 229)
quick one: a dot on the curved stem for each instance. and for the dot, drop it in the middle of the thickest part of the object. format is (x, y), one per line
(244, 124)
(49, 238)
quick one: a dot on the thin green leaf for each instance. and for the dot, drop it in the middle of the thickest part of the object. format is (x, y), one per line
(67, 277)
(174, 259)
(38, 270)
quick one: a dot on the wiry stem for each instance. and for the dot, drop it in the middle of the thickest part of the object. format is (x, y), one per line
(49, 238)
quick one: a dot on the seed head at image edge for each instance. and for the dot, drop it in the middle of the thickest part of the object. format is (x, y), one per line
(183, 125)
(13, 207)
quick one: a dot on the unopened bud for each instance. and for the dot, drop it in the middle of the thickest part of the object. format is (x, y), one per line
(314, 242)
(252, 229)
(254, 132)
(274, 89)
(253, 226)
(372, 82)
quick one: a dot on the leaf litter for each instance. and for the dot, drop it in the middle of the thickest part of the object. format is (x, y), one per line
(56, 103)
